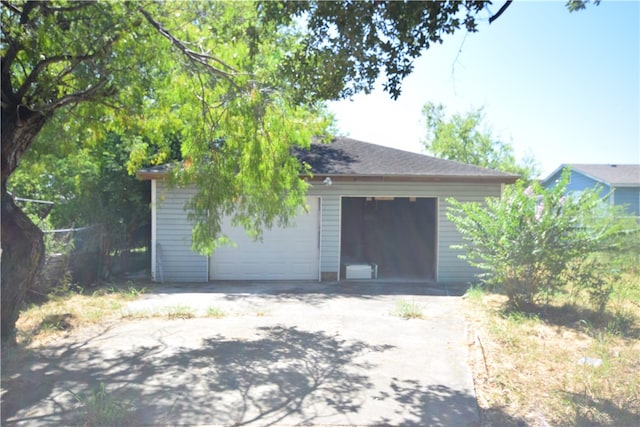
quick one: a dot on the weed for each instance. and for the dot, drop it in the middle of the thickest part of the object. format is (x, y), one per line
(215, 312)
(408, 310)
(621, 322)
(474, 293)
(178, 312)
(133, 292)
(56, 322)
(101, 409)
(68, 309)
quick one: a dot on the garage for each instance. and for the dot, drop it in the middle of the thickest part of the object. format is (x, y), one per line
(285, 253)
(369, 204)
(397, 234)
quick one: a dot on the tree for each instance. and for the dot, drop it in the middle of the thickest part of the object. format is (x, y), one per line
(143, 70)
(533, 242)
(462, 138)
(237, 84)
(89, 185)
(349, 43)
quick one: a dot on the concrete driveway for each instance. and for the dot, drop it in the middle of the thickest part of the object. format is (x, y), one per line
(282, 354)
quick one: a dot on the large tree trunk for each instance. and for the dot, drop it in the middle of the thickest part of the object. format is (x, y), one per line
(22, 243)
(22, 259)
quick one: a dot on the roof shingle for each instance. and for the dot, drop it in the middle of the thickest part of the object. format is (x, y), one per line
(615, 175)
(349, 157)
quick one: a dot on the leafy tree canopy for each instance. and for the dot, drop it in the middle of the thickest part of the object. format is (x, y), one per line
(349, 44)
(199, 72)
(462, 138)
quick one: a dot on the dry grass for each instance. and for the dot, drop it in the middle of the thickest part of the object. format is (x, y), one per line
(71, 310)
(526, 369)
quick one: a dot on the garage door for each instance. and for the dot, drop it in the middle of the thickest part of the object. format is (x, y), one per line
(289, 253)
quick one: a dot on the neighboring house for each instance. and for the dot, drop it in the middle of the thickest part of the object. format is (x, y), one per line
(619, 183)
(369, 206)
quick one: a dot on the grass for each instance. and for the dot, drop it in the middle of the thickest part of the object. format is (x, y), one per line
(526, 369)
(215, 312)
(71, 308)
(178, 312)
(174, 312)
(408, 310)
(63, 311)
(99, 408)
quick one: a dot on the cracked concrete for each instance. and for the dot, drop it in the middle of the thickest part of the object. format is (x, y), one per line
(283, 354)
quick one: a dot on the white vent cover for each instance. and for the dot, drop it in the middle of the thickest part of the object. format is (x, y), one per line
(360, 271)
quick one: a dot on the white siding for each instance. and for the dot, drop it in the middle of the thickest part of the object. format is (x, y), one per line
(175, 261)
(450, 269)
(289, 253)
(330, 239)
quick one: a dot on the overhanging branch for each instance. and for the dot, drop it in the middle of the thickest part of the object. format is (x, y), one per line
(500, 11)
(200, 58)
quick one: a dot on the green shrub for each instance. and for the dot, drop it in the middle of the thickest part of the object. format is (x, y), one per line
(535, 241)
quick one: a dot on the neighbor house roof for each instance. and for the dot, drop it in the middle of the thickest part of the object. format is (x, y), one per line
(613, 175)
(346, 158)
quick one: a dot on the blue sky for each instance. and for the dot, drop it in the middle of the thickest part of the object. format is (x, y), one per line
(563, 87)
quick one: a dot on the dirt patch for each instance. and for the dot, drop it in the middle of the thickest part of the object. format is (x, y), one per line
(526, 371)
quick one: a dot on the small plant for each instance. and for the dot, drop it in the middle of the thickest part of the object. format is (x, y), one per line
(132, 292)
(215, 312)
(474, 293)
(408, 310)
(101, 409)
(179, 312)
(621, 322)
(56, 322)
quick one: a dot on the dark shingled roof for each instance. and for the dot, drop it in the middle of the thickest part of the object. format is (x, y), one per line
(349, 158)
(155, 172)
(616, 175)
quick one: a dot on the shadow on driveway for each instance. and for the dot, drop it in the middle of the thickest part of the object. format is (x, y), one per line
(330, 367)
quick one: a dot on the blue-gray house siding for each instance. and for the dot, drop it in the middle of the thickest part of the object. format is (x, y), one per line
(577, 183)
(626, 194)
(628, 197)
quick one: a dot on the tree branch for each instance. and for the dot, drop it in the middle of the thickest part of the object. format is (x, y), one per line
(52, 60)
(12, 7)
(77, 97)
(24, 15)
(200, 58)
(500, 11)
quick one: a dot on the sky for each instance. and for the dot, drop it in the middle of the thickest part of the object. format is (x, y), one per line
(562, 87)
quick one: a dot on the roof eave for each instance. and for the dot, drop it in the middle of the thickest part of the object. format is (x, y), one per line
(416, 178)
(149, 176)
(625, 184)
